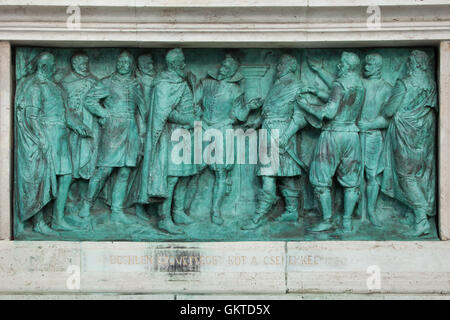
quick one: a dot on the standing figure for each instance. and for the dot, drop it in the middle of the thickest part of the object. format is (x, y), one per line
(378, 92)
(338, 150)
(83, 141)
(162, 179)
(281, 112)
(409, 154)
(145, 75)
(223, 104)
(117, 100)
(44, 167)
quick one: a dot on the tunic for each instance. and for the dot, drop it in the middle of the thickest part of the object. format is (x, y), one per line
(278, 110)
(377, 94)
(338, 149)
(124, 107)
(223, 105)
(84, 150)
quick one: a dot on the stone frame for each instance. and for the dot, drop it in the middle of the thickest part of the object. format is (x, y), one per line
(324, 267)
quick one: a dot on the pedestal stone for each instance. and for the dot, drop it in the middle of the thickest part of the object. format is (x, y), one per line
(6, 150)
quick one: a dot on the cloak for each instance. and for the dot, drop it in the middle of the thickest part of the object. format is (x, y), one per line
(151, 180)
(35, 175)
(409, 151)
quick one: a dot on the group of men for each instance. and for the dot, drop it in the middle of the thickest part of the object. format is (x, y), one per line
(118, 131)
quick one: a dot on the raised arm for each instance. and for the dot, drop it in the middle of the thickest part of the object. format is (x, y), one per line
(326, 76)
(327, 111)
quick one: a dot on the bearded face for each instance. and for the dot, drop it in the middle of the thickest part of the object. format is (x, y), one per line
(80, 65)
(178, 65)
(370, 68)
(342, 68)
(283, 68)
(124, 65)
(145, 64)
(227, 69)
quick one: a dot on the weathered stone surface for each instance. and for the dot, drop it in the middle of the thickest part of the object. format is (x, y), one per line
(221, 23)
(303, 270)
(182, 267)
(403, 267)
(5, 139)
(444, 140)
(35, 267)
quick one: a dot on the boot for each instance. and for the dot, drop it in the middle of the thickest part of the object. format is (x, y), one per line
(167, 225)
(179, 197)
(254, 223)
(372, 195)
(216, 218)
(41, 227)
(351, 196)
(120, 217)
(180, 217)
(421, 226)
(61, 225)
(291, 212)
(265, 203)
(347, 224)
(85, 209)
(324, 225)
(374, 219)
(324, 196)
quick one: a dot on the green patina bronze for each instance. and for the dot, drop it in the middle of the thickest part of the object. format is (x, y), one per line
(225, 145)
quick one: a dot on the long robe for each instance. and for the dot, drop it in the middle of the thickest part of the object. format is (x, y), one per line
(409, 154)
(151, 183)
(35, 177)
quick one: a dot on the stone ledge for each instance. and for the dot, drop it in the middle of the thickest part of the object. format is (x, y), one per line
(224, 3)
(214, 24)
(271, 268)
(262, 297)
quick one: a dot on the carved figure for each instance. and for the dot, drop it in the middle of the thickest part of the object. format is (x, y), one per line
(145, 75)
(171, 108)
(338, 151)
(44, 172)
(378, 92)
(117, 100)
(223, 102)
(281, 112)
(409, 172)
(84, 138)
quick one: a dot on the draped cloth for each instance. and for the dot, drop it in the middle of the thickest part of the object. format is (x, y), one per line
(35, 176)
(408, 164)
(151, 181)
